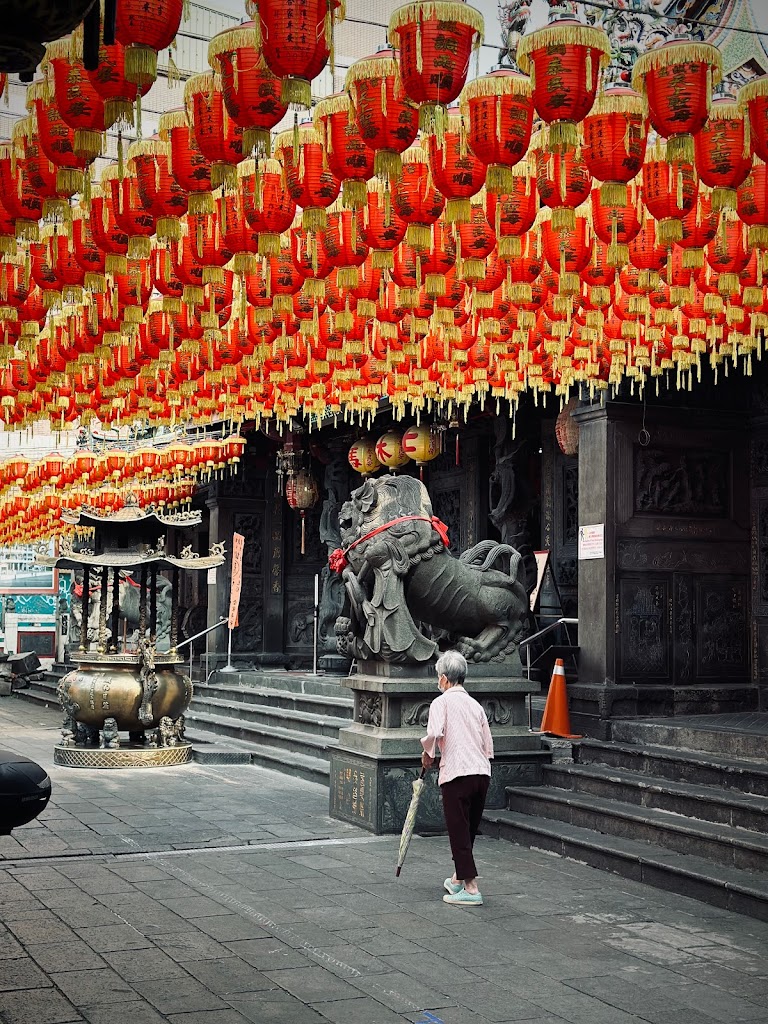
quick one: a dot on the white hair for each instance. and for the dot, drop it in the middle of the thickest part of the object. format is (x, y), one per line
(453, 666)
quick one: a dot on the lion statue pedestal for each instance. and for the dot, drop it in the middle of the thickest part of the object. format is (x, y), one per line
(408, 599)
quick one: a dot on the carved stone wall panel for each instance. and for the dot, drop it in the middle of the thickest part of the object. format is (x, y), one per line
(249, 633)
(722, 613)
(760, 651)
(299, 618)
(315, 553)
(681, 556)
(685, 637)
(447, 503)
(680, 482)
(644, 614)
(251, 526)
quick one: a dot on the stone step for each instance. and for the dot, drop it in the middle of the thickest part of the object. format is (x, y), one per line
(209, 747)
(721, 844)
(738, 890)
(688, 799)
(287, 682)
(288, 741)
(677, 765)
(695, 733)
(339, 706)
(260, 714)
(36, 693)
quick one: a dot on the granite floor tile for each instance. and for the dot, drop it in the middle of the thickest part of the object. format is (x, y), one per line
(144, 965)
(312, 984)
(268, 954)
(36, 1007)
(191, 945)
(113, 937)
(357, 1011)
(276, 1008)
(402, 993)
(225, 977)
(136, 1012)
(90, 987)
(191, 997)
(65, 956)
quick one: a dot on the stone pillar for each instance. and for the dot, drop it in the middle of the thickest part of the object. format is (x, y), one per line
(272, 653)
(664, 614)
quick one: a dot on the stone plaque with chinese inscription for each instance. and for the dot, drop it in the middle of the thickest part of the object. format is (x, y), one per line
(352, 791)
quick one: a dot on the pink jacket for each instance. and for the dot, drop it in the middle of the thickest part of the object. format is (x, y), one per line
(458, 726)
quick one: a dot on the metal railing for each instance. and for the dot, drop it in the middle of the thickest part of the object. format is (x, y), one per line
(527, 645)
(191, 639)
(542, 632)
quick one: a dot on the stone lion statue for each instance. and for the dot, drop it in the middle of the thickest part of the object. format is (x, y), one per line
(408, 596)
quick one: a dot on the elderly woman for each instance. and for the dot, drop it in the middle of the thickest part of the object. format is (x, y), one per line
(458, 726)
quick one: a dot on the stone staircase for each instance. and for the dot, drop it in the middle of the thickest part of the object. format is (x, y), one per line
(681, 804)
(43, 690)
(288, 721)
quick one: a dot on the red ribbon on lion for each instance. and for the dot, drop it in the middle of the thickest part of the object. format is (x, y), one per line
(338, 558)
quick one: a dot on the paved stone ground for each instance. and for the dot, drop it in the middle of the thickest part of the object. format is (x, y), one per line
(307, 924)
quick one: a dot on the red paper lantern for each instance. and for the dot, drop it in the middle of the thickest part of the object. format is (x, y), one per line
(219, 138)
(188, 165)
(388, 121)
(381, 227)
(677, 79)
(564, 182)
(122, 98)
(269, 206)
(159, 193)
(416, 200)
(723, 153)
(251, 91)
(348, 156)
(80, 105)
(312, 185)
(296, 41)
(753, 102)
(436, 39)
(670, 188)
(145, 27)
(564, 61)
(456, 171)
(615, 139)
(752, 204)
(499, 115)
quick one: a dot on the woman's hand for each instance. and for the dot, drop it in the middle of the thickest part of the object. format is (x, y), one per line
(426, 760)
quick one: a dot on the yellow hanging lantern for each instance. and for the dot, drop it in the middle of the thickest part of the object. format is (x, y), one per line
(362, 457)
(422, 444)
(389, 451)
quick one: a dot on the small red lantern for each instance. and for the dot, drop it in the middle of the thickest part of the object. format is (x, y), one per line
(677, 80)
(296, 42)
(456, 171)
(416, 200)
(187, 164)
(499, 116)
(723, 153)
(219, 138)
(251, 91)
(145, 27)
(348, 156)
(436, 39)
(80, 105)
(312, 185)
(388, 121)
(670, 188)
(564, 61)
(615, 139)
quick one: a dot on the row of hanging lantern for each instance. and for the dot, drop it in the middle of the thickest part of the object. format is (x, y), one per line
(205, 276)
(394, 449)
(34, 492)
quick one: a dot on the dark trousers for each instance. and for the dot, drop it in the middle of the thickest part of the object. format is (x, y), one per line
(463, 804)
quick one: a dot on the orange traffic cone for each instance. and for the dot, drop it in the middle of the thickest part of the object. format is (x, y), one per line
(556, 721)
